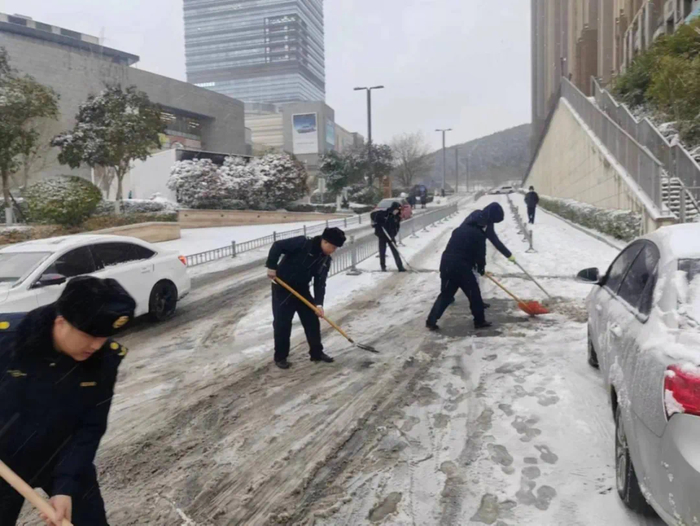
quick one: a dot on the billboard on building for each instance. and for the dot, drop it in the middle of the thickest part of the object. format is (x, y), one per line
(305, 133)
(330, 134)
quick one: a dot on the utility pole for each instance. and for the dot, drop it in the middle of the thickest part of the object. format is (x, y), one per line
(370, 167)
(444, 156)
(467, 171)
(456, 170)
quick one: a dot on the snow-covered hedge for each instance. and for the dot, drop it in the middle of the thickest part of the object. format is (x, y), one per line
(66, 200)
(367, 195)
(264, 183)
(362, 209)
(621, 224)
(156, 205)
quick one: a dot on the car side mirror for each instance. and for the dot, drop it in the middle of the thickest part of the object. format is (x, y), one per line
(47, 280)
(589, 275)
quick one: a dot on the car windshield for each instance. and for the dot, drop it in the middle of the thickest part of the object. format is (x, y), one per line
(15, 266)
(386, 203)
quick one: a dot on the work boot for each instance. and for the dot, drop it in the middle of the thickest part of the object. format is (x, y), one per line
(432, 326)
(487, 305)
(322, 357)
(482, 324)
(402, 269)
(283, 364)
(383, 269)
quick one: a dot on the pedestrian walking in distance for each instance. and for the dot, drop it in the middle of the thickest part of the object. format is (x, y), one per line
(303, 259)
(388, 222)
(531, 200)
(464, 254)
(58, 367)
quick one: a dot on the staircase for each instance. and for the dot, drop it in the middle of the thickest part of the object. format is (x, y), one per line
(671, 189)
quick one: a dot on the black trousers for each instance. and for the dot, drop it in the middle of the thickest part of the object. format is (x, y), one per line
(465, 280)
(88, 506)
(284, 306)
(383, 242)
(531, 214)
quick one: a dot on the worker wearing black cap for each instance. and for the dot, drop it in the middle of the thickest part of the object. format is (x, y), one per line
(58, 367)
(304, 258)
(386, 225)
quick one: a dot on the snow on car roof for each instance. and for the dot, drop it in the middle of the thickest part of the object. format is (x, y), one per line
(678, 241)
(54, 244)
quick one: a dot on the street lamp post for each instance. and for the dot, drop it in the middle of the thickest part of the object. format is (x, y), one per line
(369, 127)
(444, 156)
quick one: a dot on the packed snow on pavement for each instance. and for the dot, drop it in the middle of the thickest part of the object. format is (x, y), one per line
(508, 426)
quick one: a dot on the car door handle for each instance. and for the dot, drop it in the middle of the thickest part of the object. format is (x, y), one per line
(616, 330)
(146, 270)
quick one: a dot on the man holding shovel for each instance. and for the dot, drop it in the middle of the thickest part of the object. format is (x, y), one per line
(304, 259)
(58, 368)
(387, 223)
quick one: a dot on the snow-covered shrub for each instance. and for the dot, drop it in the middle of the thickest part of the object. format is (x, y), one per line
(367, 195)
(66, 200)
(362, 209)
(620, 224)
(138, 206)
(304, 207)
(266, 183)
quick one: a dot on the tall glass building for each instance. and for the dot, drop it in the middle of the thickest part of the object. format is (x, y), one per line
(264, 51)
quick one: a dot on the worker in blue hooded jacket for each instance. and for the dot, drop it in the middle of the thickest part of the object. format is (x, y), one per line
(465, 253)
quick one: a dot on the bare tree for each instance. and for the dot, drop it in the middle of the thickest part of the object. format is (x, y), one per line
(411, 152)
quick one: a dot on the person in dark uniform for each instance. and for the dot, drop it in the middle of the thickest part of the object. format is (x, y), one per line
(388, 220)
(531, 200)
(58, 367)
(304, 259)
(486, 219)
(465, 253)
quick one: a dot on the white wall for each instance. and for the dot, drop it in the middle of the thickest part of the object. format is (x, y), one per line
(150, 176)
(572, 164)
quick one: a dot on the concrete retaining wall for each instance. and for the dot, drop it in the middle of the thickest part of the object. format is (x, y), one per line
(214, 218)
(153, 232)
(572, 164)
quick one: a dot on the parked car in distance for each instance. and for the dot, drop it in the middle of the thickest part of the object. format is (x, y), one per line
(406, 210)
(502, 190)
(34, 273)
(644, 335)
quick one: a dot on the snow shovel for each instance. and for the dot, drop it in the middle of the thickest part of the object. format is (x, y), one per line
(533, 280)
(28, 493)
(533, 308)
(313, 308)
(397, 249)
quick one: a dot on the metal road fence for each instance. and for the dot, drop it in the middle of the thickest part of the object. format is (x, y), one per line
(354, 252)
(234, 248)
(675, 159)
(638, 161)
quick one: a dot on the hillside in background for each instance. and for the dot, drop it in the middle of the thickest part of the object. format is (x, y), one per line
(488, 161)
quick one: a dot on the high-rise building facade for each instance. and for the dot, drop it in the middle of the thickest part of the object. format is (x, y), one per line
(257, 51)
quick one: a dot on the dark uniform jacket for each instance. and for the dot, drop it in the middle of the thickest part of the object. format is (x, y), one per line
(303, 259)
(387, 220)
(465, 250)
(485, 219)
(53, 409)
(532, 199)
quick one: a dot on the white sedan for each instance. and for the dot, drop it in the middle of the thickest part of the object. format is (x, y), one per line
(34, 273)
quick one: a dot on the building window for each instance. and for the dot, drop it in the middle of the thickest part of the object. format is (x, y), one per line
(17, 20)
(70, 34)
(43, 27)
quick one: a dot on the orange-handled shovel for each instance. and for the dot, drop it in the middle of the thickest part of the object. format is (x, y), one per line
(313, 308)
(533, 308)
(28, 493)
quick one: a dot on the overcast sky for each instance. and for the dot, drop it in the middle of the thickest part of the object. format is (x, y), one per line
(461, 64)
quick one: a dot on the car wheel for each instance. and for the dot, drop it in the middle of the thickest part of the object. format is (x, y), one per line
(163, 301)
(627, 484)
(592, 355)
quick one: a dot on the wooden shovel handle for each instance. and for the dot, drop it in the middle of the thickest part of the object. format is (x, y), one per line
(312, 307)
(28, 493)
(488, 275)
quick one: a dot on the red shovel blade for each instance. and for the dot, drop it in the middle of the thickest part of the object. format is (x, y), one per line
(533, 308)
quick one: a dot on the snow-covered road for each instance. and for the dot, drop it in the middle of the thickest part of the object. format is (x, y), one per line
(505, 427)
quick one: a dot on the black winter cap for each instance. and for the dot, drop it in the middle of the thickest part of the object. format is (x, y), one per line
(98, 307)
(395, 206)
(335, 236)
